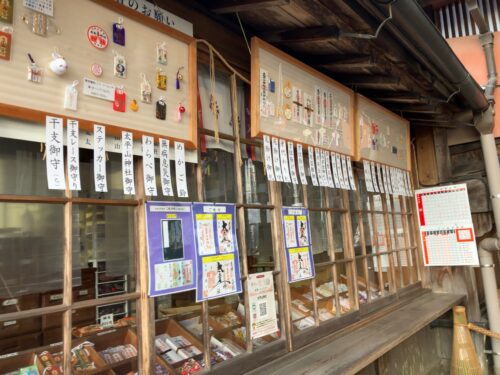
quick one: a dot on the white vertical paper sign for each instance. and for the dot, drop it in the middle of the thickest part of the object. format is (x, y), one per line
(73, 155)
(312, 170)
(336, 179)
(148, 159)
(166, 178)
(128, 180)
(374, 177)
(340, 171)
(291, 163)
(379, 178)
(408, 180)
(319, 169)
(328, 169)
(100, 180)
(276, 160)
(55, 153)
(180, 170)
(351, 175)
(284, 161)
(346, 173)
(368, 176)
(387, 178)
(268, 158)
(300, 162)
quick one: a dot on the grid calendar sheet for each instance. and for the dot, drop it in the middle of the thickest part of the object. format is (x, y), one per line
(446, 229)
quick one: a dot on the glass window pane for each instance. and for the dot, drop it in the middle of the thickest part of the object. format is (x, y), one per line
(302, 309)
(292, 195)
(338, 236)
(227, 327)
(31, 245)
(24, 165)
(104, 265)
(325, 293)
(179, 323)
(259, 242)
(254, 180)
(319, 238)
(373, 278)
(356, 232)
(315, 196)
(362, 282)
(335, 197)
(345, 285)
(218, 175)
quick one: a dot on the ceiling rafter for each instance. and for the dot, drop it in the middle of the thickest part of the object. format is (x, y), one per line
(233, 6)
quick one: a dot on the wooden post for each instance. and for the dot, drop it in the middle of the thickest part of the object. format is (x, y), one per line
(68, 280)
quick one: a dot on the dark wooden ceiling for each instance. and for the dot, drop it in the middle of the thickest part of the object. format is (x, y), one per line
(334, 37)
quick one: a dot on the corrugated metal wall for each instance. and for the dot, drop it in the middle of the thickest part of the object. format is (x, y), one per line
(454, 20)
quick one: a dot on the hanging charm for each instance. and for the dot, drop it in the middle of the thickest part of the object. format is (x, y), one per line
(34, 71)
(146, 93)
(5, 42)
(119, 32)
(272, 85)
(161, 79)
(161, 53)
(97, 36)
(178, 78)
(180, 110)
(96, 70)
(134, 107)
(6, 11)
(119, 66)
(120, 99)
(58, 65)
(288, 112)
(71, 97)
(287, 90)
(161, 109)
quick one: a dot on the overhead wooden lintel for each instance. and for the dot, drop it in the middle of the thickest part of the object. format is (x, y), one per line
(348, 61)
(370, 81)
(449, 125)
(233, 6)
(420, 108)
(306, 34)
(399, 97)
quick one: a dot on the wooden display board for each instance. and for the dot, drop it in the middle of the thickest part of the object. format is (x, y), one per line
(329, 104)
(31, 101)
(381, 136)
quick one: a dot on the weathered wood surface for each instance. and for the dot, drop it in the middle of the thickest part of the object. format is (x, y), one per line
(351, 353)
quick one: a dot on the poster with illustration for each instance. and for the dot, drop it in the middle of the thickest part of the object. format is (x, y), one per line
(171, 247)
(218, 265)
(224, 233)
(300, 264)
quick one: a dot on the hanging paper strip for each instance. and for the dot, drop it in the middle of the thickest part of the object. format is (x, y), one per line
(351, 174)
(166, 179)
(374, 177)
(336, 179)
(180, 170)
(218, 266)
(55, 153)
(328, 169)
(128, 180)
(268, 158)
(73, 155)
(408, 181)
(368, 176)
(319, 170)
(100, 180)
(171, 247)
(148, 158)
(291, 163)
(276, 160)
(284, 161)
(312, 169)
(300, 162)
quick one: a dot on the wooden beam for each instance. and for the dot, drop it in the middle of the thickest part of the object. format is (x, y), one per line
(233, 6)
(306, 34)
(398, 97)
(422, 108)
(360, 61)
(370, 81)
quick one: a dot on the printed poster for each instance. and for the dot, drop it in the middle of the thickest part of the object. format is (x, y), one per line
(446, 228)
(171, 247)
(263, 319)
(217, 255)
(297, 232)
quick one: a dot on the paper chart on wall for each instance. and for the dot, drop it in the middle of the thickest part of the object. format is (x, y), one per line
(446, 227)
(171, 247)
(217, 251)
(55, 153)
(296, 229)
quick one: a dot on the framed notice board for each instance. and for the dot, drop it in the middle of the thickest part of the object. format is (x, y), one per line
(69, 32)
(381, 136)
(293, 101)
